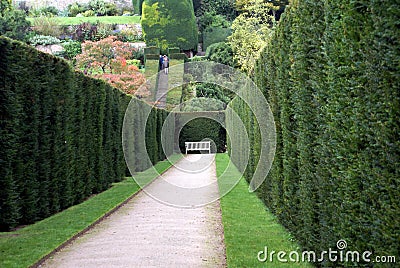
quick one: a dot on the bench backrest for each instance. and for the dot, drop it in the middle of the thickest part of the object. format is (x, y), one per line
(198, 146)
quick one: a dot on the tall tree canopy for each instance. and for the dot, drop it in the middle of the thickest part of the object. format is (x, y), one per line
(225, 8)
(169, 23)
(250, 31)
(279, 6)
(4, 5)
(13, 23)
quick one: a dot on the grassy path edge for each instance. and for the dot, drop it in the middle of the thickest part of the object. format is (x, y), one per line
(249, 227)
(31, 245)
(86, 229)
(108, 213)
(102, 217)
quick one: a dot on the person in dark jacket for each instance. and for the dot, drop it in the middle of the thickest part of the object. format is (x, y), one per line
(161, 63)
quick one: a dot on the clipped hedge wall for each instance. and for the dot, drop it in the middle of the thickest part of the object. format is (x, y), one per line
(173, 50)
(178, 56)
(196, 126)
(60, 135)
(169, 23)
(151, 57)
(152, 50)
(330, 73)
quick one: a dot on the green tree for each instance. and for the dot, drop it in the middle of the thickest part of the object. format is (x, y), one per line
(196, 5)
(169, 23)
(13, 23)
(221, 53)
(250, 31)
(212, 19)
(4, 6)
(224, 8)
(279, 6)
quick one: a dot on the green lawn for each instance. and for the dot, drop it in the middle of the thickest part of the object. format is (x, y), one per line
(151, 69)
(103, 19)
(248, 225)
(24, 247)
(175, 78)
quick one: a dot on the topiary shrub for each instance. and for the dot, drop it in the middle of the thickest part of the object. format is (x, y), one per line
(152, 50)
(178, 56)
(170, 23)
(138, 6)
(173, 50)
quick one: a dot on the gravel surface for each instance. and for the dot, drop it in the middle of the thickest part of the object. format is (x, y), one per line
(148, 233)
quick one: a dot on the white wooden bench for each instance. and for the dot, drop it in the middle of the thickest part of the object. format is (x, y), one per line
(198, 146)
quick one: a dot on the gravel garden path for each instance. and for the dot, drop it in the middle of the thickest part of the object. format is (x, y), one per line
(148, 233)
(162, 90)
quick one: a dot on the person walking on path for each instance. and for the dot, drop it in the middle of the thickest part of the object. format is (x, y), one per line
(161, 62)
(166, 64)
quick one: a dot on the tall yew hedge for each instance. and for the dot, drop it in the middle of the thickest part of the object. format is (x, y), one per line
(331, 75)
(199, 126)
(60, 135)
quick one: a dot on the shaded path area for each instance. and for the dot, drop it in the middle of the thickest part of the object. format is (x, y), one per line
(148, 233)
